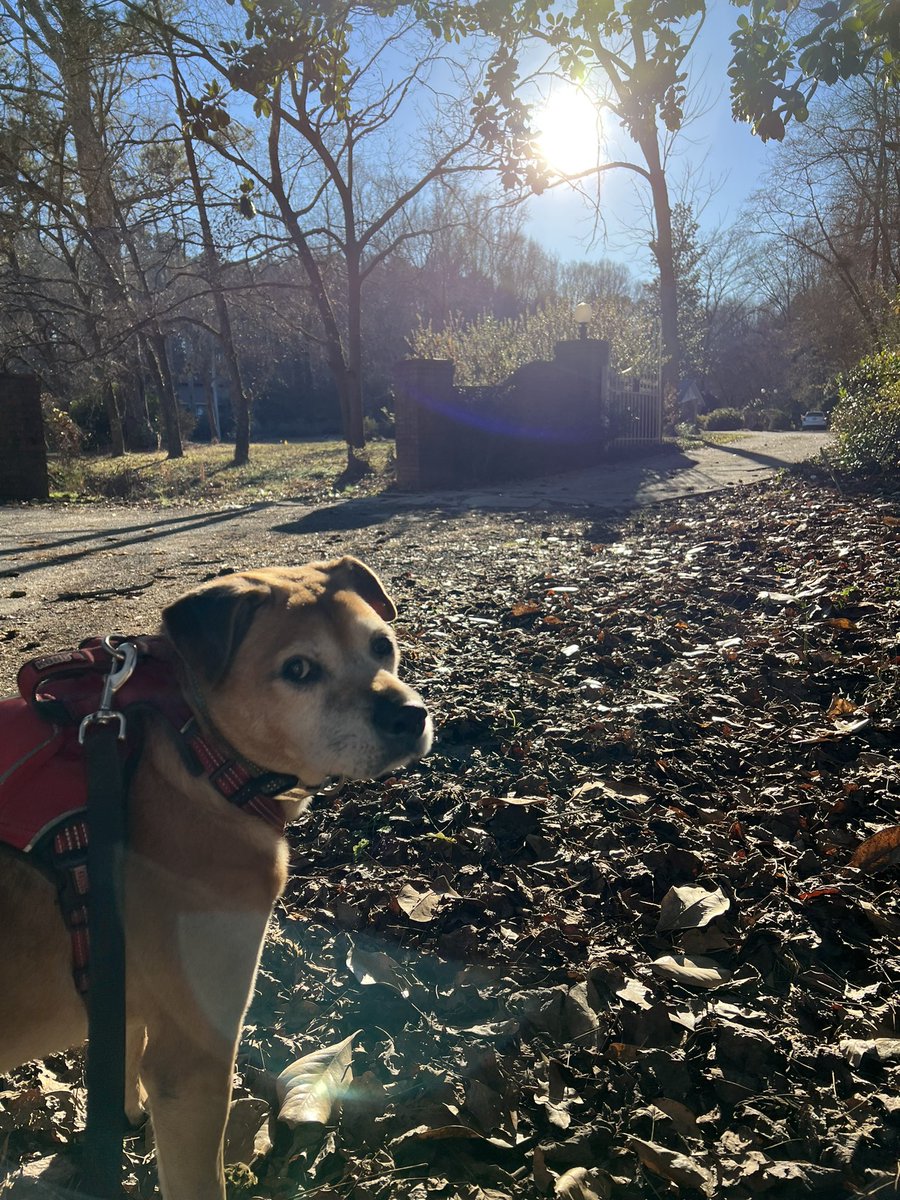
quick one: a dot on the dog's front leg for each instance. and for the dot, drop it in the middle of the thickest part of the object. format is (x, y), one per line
(189, 1089)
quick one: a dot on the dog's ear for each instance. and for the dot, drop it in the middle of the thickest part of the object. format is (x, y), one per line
(350, 573)
(207, 626)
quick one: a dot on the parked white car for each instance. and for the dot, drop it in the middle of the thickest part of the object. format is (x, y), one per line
(814, 420)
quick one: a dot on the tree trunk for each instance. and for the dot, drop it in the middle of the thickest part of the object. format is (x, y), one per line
(348, 386)
(665, 260)
(355, 432)
(158, 360)
(138, 429)
(240, 402)
(114, 417)
(208, 371)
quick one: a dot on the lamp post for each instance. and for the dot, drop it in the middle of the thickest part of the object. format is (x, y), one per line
(584, 314)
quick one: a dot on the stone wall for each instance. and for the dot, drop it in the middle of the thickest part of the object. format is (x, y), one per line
(23, 454)
(546, 417)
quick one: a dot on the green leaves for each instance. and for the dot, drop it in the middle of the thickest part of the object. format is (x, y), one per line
(774, 76)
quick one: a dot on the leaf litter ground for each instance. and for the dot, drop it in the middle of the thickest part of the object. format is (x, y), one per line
(632, 929)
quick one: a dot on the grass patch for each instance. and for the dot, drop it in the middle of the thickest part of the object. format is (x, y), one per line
(305, 471)
(693, 441)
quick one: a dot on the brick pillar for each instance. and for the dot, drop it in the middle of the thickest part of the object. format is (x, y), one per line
(23, 454)
(586, 358)
(584, 364)
(423, 389)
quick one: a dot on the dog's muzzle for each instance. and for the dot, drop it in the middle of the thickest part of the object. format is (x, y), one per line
(400, 721)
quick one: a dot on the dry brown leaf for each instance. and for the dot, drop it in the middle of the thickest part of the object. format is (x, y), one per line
(613, 789)
(697, 971)
(526, 608)
(373, 966)
(634, 992)
(246, 1118)
(677, 1168)
(684, 1120)
(884, 1049)
(880, 851)
(418, 906)
(690, 908)
(429, 1133)
(580, 1183)
(311, 1088)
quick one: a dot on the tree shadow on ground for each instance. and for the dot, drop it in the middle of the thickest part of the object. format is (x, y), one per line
(765, 460)
(612, 485)
(92, 540)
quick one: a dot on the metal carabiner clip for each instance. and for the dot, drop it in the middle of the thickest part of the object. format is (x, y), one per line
(125, 655)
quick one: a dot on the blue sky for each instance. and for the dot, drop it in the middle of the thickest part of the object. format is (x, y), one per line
(714, 147)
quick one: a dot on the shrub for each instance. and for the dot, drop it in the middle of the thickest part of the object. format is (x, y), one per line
(379, 425)
(777, 418)
(723, 418)
(88, 414)
(866, 417)
(61, 433)
(487, 350)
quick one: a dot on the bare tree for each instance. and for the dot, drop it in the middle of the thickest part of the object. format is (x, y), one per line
(338, 181)
(73, 57)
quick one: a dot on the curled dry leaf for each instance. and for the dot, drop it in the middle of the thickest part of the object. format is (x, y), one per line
(689, 908)
(311, 1088)
(246, 1131)
(880, 851)
(697, 971)
(883, 1049)
(840, 707)
(613, 789)
(678, 1168)
(634, 991)
(373, 966)
(583, 1184)
(421, 906)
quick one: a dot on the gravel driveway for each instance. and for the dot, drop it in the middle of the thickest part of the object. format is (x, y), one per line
(69, 570)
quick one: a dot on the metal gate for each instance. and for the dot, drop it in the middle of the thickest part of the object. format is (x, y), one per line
(635, 411)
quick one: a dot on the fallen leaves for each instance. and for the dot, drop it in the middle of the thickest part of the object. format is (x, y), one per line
(311, 1089)
(879, 852)
(375, 967)
(696, 972)
(678, 1168)
(604, 942)
(690, 908)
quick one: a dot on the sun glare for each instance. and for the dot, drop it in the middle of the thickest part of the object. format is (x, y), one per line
(569, 136)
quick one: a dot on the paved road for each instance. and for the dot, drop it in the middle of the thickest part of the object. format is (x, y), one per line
(636, 482)
(67, 570)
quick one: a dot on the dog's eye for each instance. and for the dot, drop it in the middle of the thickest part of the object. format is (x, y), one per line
(382, 646)
(301, 670)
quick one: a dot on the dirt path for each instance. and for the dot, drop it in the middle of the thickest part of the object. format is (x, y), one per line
(67, 570)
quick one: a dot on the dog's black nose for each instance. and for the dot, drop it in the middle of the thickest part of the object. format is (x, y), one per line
(400, 719)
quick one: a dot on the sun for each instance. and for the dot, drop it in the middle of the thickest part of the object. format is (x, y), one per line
(569, 132)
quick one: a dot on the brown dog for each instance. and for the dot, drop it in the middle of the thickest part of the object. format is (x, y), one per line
(294, 670)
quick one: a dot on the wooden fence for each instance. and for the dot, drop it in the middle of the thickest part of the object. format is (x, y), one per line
(635, 411)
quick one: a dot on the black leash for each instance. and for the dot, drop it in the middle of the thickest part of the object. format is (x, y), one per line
(100, 733)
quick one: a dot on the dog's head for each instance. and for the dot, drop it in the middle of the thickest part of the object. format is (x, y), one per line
(297, 668)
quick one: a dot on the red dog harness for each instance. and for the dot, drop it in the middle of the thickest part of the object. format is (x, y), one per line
(43, 785)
